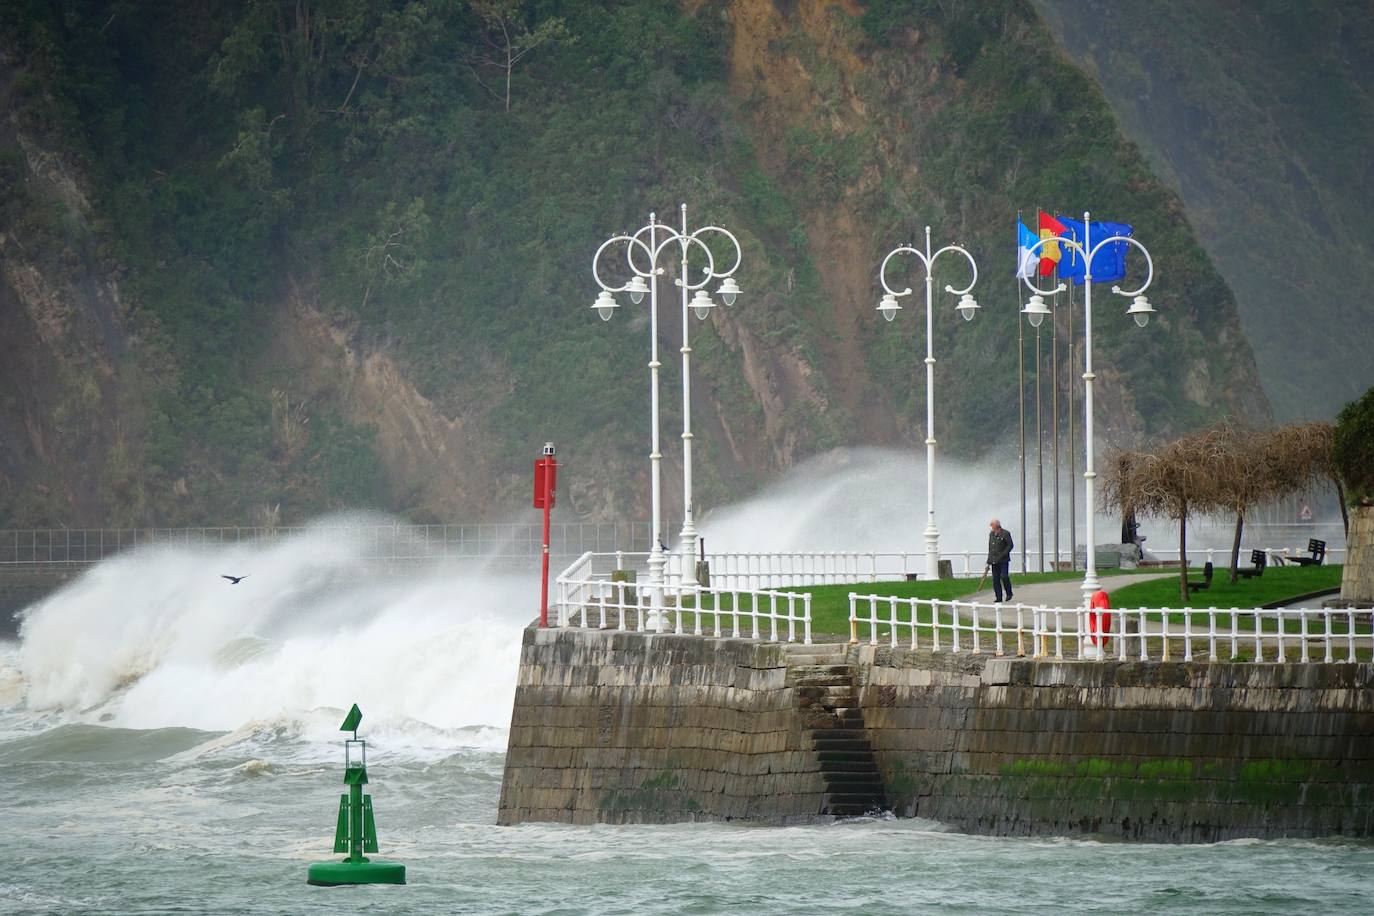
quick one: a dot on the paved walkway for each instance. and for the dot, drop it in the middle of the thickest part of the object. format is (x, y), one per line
(1067, 593)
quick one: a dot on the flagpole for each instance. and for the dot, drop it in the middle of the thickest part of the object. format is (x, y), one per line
(1073, 463)
(1054, 411)
(1039, 461)
(1021, 389)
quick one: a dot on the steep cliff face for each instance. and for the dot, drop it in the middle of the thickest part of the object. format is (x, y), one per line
(62, 322)
(319, 264)
(882, 118)
(1259, 116)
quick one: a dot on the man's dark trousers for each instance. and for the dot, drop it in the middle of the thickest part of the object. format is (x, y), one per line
(1001, 580)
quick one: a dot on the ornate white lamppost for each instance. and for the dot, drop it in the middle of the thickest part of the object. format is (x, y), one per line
(1141, 310)
(968, 308)
(651, 241)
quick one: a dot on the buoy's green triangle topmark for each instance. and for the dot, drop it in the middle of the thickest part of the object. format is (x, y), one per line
(355, 717)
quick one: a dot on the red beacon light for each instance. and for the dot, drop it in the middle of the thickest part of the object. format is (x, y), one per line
(545, 481)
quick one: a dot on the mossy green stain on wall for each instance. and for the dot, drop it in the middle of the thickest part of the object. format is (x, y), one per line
(657, 793)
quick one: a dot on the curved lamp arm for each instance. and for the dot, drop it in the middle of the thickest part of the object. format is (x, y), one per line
(688, 240)
(1034, 249)
(739, 254)
(971, 263)
(882, 271)
(1149, 263)
(630, 240)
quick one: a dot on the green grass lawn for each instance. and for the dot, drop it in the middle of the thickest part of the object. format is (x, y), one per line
(830, 603)
(1277, 584)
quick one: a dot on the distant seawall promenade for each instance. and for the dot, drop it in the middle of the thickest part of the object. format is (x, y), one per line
(628, 727)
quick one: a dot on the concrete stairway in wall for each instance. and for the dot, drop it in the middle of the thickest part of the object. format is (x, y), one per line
(828, 701)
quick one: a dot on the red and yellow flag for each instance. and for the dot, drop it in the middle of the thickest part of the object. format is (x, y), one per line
(1050, 228)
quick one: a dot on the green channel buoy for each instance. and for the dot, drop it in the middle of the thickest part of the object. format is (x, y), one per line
(356, 832)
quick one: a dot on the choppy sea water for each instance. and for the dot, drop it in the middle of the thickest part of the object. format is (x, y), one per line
(177, 753)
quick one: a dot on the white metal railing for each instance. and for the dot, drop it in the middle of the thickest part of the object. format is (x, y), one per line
(789, 569)
(1143, 634)
(599, 603)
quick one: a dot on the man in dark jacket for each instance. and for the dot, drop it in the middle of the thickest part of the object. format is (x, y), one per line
(999, 559)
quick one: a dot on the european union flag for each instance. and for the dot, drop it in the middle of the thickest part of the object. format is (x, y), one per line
(1109, 264)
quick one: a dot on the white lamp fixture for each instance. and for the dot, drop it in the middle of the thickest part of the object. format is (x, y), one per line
(637, 288)
(1141, 310)
(889, 307)
(729, 289)
(967, 307)
(605, 305)
(1036, 310)
(702, 304)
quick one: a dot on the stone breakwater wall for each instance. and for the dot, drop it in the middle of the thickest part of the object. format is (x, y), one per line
(1164, 752)
(620, 728)
(615, 727)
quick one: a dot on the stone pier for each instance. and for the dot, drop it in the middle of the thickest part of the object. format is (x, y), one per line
(612, 727)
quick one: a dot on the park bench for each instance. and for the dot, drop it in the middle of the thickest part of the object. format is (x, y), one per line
(1206, 582)
(1259, 559)
(1316, 554)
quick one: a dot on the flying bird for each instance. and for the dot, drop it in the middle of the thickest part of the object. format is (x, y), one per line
(234, 580)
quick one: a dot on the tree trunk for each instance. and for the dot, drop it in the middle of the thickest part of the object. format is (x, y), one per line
(1345, 512)
(1183, 553)
(1235, 546)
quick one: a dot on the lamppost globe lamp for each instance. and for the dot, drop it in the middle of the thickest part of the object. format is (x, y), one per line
(645, 247)
(637, 288)
(1141, 310)
(605, 305)
(729, 289)
(1036, 310)
(967, 307)
(702, 304)
(889, 307)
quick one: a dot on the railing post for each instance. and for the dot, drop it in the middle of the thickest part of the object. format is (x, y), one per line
(734, 609)
(806, 625)
(1212, 634)
(1121, 636)
(1302, 629)
(872, 620)
(892, 619)
(853, 618)
(1020, 631)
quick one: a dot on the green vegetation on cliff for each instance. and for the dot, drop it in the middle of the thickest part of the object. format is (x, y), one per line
(296, 197)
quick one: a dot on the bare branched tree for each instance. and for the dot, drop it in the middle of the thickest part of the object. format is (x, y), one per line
(508, 37)
(1225, 468)
(1178, 480)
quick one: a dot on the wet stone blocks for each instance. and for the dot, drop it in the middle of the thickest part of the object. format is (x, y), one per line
(1163, 752)
(620, 728)
(613, 727)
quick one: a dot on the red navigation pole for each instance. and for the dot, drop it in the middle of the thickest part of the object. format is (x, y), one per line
(545, 479)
